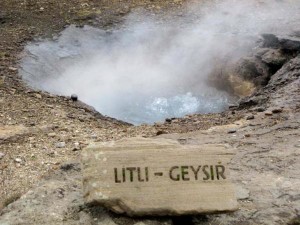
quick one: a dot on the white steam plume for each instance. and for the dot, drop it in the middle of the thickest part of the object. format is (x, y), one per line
(150, 70)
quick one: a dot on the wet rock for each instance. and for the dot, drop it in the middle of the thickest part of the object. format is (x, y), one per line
(168, 120)
(74, 97)
(255, 100)
(253, 70)
(275, 59)
(289, 44)
(286, 44)
(270, 41)
(233, 106)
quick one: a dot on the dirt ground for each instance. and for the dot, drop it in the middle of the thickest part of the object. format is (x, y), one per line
(40, 131)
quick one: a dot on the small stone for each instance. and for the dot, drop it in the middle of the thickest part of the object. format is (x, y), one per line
(60, 144)
(260, 109)
(182, 141)
(31, 139)
(168, 120)
(297, 146)
(74, 97)
(18, 160)
(160, 132)
(250, 117)
(76, 146)
(51, 153)
(42, 9)
(94, 136)
(51, 134)
(232, 131)
(242, 193)
(69, 166)
(247, 135)
(277, 110)
(38, 96)
(233, 106)
(268, 113)
(12, 68)
(2, 155)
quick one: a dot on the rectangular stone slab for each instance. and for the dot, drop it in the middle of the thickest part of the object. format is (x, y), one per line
(142, 176)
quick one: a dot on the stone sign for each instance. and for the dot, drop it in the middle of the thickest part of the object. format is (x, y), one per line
(158, 177)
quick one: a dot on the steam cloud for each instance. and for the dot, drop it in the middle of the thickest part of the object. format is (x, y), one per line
(147, 71)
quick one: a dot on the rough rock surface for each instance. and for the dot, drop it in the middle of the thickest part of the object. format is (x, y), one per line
(58, 200)
(144, 176)
(265, 171)
(284, 81)
(249, 74)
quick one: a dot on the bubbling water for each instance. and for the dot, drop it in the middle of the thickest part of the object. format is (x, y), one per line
(86, 61)
(149, 70)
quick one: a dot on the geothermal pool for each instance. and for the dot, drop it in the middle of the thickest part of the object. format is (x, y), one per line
(145, 70)
(123, 74)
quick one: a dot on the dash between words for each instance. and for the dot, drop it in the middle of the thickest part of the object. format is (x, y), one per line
(175, 173)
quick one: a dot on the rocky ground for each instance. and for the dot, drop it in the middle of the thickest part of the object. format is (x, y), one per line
(40, 132)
